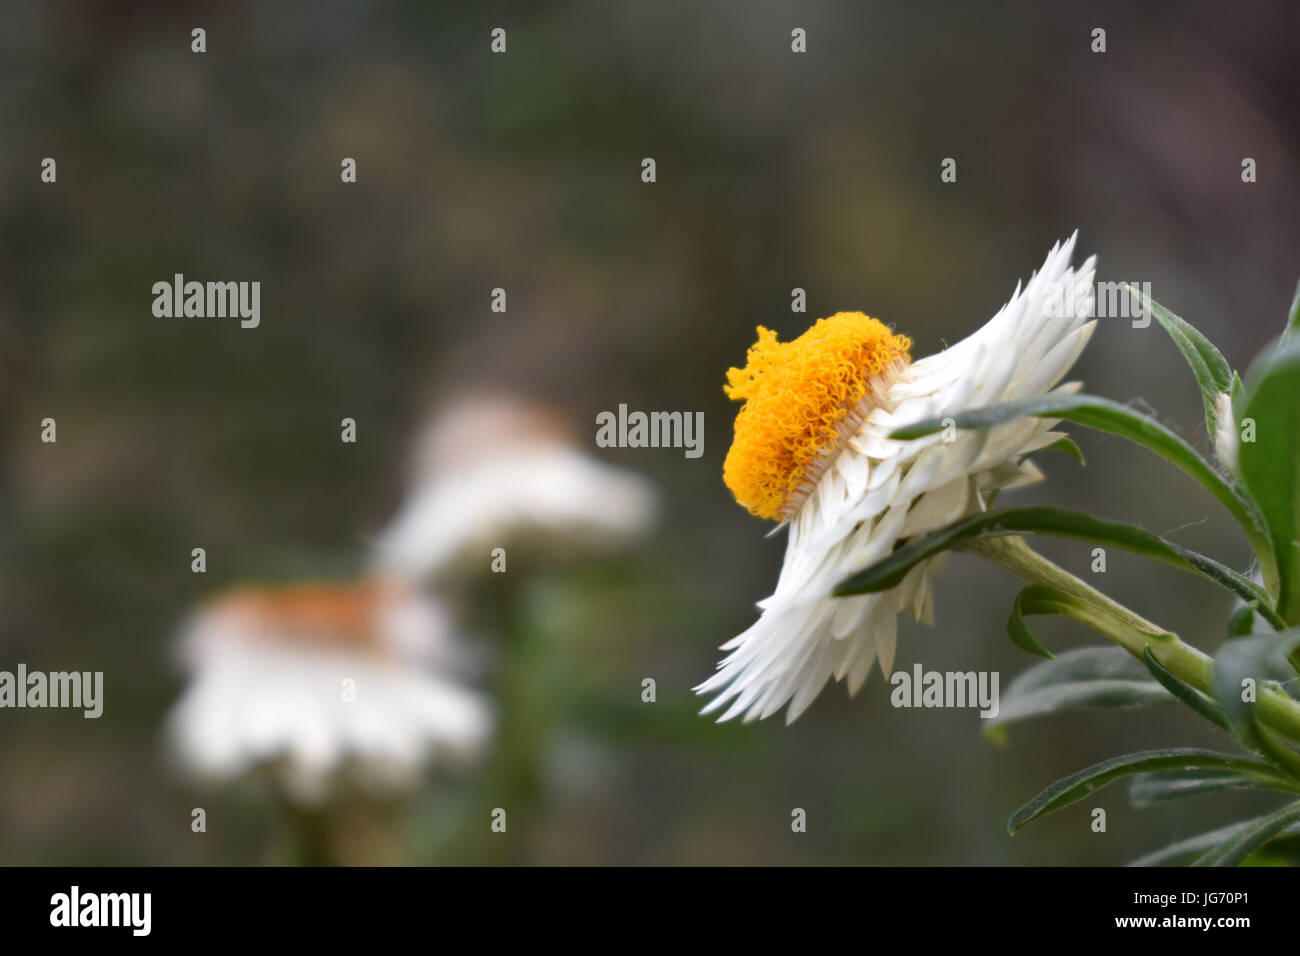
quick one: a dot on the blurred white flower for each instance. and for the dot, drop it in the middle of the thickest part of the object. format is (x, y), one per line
(492, 471)
(326, 684)
(812, 450)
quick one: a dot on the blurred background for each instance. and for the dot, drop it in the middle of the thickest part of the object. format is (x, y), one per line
(475, 171)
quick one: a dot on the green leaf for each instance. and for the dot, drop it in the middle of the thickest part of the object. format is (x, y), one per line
(1238, 392)
(1243, 620)
(1078, 785)
(1117, 419)
(1270, 465)
(1066, 445)
(1251, 837)
(1261, 658)
(1162, 786)
(1209, 366)
(1293, 323)
(1087, 677)
(1191, 847)
(1185, 692)
(888, 572)
(1038, 599)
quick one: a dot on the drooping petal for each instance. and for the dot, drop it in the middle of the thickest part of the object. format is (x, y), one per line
(879, 491)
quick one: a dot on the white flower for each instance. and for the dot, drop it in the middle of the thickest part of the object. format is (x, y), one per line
(324, 684)
(493, 470)
(811, 450)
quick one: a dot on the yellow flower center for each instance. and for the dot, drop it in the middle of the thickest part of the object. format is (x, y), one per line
(796, 397)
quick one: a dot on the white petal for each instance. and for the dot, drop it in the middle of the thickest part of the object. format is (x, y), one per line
(881, 490)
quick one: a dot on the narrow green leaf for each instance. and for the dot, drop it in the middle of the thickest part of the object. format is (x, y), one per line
(1066, 445)
(1260, 658)
(1243, 620)
(1183, 850)
(1117, 419)
(1161, 786)
(1101, 662)
(1086, 677)
(1209, 366)
(1270, 464)
(1038, 599)
(1293, 323)
(888, 572)
(1185, 692)
(1238, 392)
(1078, 785)
(1251, 837)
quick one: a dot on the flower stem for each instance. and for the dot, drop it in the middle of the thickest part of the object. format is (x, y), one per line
(1276, 710)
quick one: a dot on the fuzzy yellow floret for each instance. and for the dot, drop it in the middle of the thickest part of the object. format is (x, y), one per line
(796, 394)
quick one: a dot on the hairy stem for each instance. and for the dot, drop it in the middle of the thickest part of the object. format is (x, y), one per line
(1276, 710)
